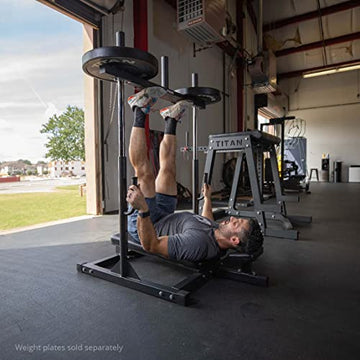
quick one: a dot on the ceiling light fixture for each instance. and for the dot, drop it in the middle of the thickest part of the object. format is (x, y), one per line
(332, 70)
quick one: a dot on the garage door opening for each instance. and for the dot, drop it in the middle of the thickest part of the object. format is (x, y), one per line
(41, 83)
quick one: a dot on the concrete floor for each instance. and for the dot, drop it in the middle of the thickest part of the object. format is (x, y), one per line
(310, 311)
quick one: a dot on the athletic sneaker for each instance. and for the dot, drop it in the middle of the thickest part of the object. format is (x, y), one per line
(146, 98)
(175, 111)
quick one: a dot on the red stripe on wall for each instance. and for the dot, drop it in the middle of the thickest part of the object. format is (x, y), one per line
(140, 24)
(140, 16)
(240, 67)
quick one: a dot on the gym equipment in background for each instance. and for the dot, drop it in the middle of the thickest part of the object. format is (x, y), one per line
(325, 168)
(292, 155)
(295, 151)
(251, 146)
(336, 173)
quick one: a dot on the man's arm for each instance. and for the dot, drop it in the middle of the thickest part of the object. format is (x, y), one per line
(146, 231)
(207, 209)
(148, 238)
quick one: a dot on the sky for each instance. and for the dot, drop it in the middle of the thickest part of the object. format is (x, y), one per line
(40, 74)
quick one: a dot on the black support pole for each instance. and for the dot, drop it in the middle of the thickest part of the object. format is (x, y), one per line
(282, 126)
(195, 168)
(165, 71)
(123, 248)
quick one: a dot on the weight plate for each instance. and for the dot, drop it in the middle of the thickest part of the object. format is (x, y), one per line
(205, 94)
(129, 60)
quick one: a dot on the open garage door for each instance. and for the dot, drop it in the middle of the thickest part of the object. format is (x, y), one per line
(86, 11)
(92, 15)
(100, 18)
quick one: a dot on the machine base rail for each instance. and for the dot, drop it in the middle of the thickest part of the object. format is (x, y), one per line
(101, 270)
(238, 275)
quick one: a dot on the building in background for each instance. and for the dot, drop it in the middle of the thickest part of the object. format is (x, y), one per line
(61, 168)
(42, 169)
(20, 167)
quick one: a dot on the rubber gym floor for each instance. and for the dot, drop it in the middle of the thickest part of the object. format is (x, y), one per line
(311, 310)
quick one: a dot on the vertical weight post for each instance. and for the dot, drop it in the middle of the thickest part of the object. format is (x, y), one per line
(195, 167)
(165, 71)
(123, 245)
(282, 124)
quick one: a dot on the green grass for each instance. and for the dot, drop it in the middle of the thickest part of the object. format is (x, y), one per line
(68, 187)
(17, 210)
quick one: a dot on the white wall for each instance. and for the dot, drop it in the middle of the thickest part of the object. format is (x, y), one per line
(331, 107)
(164, 39)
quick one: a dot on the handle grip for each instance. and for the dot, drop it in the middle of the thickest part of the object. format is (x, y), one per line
(134, 181)
(206, 176)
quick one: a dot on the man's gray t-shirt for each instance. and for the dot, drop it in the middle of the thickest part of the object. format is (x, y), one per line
(191, 237)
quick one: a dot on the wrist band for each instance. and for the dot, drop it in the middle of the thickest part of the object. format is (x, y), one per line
(144, 214)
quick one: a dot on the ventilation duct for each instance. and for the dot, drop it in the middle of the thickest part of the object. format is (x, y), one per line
(203, 21)
(263, 73)
(272, 106)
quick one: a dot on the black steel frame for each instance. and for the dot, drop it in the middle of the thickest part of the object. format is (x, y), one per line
(117, 268)
(251, 146)
(233, 266)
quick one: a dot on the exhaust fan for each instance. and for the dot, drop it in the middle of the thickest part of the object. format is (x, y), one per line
(202, 20)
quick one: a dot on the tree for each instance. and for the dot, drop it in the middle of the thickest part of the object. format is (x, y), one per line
(65, 135)
(27, 162)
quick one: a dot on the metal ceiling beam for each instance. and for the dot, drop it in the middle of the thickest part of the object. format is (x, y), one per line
(298, 73)
(318, 44)
(77, 10)
(322, 36)
(312, 15)
(96, 7)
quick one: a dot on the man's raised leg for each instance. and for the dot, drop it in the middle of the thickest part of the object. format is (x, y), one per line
(141, 104)
(166, 178)
(139, 159)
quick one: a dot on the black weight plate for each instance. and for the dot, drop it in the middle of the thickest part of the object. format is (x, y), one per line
(205, 94)
(130, 60)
